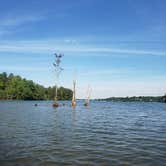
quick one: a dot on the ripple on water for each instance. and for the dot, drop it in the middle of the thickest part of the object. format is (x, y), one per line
(106, 133)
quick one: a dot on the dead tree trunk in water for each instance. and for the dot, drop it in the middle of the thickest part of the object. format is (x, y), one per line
(74, 94)
(56, 94)
(58, 71)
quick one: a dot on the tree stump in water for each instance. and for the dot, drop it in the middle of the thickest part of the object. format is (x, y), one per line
(55, 105)
(73, 103)
(86, 104)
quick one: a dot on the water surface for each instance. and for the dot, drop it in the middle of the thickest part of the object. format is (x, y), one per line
(106, 133)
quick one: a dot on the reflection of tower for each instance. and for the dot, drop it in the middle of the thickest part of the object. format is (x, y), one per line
(58, 71)
(74, 94)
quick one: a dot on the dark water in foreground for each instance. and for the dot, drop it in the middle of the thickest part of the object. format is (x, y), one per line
(106, 133)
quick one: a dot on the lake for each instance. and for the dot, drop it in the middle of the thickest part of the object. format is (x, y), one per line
(105, 133)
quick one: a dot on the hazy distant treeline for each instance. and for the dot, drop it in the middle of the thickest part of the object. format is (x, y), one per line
(15, 87)
(140, 98)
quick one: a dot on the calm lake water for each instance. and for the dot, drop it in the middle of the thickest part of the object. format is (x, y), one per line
(106, 133)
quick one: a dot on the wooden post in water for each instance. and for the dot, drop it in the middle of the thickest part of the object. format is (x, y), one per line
(74, 94)
(55, 103)
(58, 71)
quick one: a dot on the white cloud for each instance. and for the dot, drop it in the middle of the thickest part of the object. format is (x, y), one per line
(15, 20)
(72, 41)
(48, 46)
(22, 68)
(105, 72)
(9, 21)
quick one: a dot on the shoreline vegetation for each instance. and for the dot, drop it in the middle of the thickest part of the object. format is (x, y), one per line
(14, 87)
(136, 98)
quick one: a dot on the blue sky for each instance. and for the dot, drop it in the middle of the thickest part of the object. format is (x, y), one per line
(118, 47)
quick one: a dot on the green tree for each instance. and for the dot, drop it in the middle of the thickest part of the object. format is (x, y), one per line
(14, 87)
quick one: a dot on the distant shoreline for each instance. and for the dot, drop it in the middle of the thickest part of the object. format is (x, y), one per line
(161, 99)
(137, 99)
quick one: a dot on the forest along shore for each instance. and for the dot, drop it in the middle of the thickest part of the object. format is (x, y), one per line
(135, 98)
(14, 87)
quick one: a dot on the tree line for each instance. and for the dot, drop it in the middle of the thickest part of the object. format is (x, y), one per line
(13, 87)
(138, 98)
